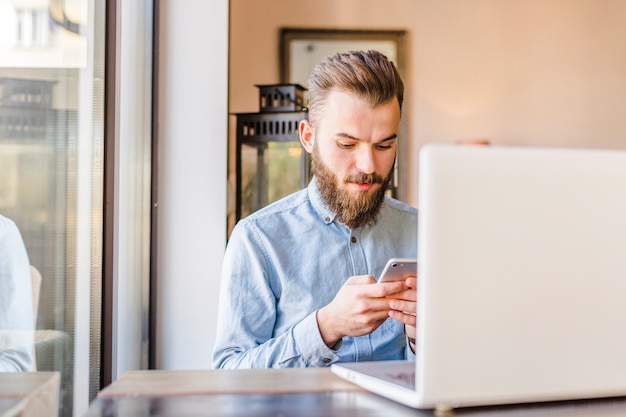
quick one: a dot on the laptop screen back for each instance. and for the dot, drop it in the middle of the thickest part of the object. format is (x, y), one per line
(522, 274)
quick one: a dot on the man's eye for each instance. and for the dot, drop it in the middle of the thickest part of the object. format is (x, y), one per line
(345, 145)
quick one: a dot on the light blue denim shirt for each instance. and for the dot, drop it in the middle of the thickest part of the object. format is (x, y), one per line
(289, 259)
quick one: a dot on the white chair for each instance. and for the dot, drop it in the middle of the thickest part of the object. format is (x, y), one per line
(52, 348)
(35, 277)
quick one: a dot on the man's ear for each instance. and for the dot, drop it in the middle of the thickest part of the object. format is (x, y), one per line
(307, 135)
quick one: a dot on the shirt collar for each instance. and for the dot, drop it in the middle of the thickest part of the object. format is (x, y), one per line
(320, 207)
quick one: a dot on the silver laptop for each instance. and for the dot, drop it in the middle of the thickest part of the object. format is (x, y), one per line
(522, 280)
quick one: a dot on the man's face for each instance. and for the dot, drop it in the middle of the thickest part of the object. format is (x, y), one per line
(353, 148)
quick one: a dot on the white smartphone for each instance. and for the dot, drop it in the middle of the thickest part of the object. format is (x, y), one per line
(398, 269)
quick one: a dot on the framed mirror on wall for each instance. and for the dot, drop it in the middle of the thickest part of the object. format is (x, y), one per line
(301, 49)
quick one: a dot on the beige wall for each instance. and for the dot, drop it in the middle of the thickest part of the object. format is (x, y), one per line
(515, 72)
(191, 202)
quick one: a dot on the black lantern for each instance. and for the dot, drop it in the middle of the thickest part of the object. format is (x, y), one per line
(270, 161)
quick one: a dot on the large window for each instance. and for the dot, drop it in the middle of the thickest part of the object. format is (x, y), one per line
(52, 177)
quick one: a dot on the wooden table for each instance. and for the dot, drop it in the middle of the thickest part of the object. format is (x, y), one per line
(29, 394)
(287, 393)
(257, 381)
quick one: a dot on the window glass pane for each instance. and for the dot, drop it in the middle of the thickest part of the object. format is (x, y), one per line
(51, 150)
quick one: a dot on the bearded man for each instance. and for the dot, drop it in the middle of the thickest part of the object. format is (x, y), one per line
(298, 281)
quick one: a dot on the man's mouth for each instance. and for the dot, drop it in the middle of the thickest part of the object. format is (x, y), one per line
(363, 186)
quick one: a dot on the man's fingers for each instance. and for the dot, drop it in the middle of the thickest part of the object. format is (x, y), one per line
(360, 279)
(405, 318)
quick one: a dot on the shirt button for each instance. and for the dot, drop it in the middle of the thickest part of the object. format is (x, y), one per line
(326, 219)
(327, 360)
(353, 239)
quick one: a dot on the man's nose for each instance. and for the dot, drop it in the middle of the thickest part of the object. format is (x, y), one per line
(365, 161)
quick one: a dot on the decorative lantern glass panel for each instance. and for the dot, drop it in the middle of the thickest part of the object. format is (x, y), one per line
(270, 160)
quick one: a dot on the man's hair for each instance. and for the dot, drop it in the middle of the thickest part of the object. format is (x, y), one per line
(368, 74)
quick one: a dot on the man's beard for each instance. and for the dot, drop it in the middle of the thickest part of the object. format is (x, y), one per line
(352, 211)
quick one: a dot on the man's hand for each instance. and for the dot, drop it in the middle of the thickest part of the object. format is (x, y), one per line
(403, 307)
(359, 307)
